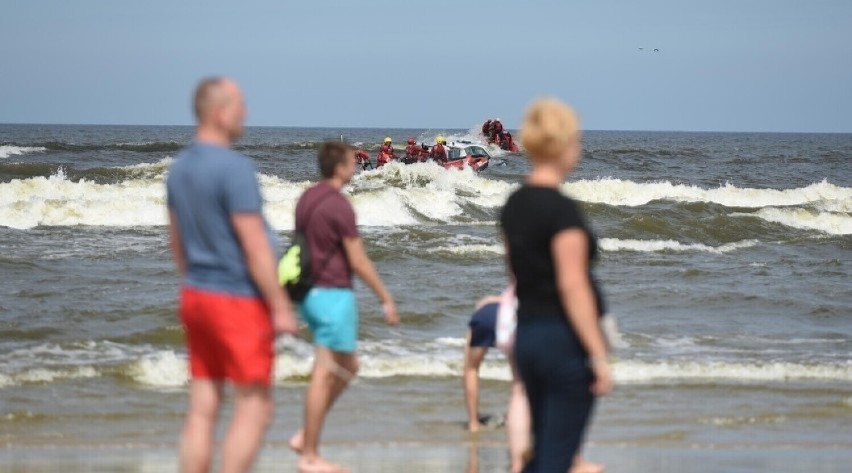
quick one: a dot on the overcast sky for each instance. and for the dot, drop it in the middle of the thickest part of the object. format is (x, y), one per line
(723, 65)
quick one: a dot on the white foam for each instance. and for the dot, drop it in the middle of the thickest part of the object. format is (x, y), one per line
(168, 369)
(826, 222)
(395, 195)
(56, 200)
(45, 375)
(730, 421)
(686, 371)
(392, 196)
(615, 244)
(165, 369)
(606, 244)
(485, 250)
(9, 150)
(42, 375)
(160, 166)
(837, 206)
(52, 355)
(631, 194)
(440, 358)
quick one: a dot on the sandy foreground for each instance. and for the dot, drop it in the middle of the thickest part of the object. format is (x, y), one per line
(423, 457)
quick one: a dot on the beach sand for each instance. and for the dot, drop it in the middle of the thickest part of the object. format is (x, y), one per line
(470, 457)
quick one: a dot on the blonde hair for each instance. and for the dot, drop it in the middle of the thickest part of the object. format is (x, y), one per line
(549, 127)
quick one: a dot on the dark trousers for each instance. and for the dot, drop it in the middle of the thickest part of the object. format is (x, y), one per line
(553, 367)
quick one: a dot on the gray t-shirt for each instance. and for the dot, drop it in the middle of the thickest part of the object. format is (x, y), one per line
(206, 185)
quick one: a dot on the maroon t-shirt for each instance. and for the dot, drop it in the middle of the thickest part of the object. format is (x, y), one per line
(330, 218)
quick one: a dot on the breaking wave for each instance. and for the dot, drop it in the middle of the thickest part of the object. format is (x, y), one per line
(440, 358)
(615, 244)
(606, 244)
(619, 192)
(802, 219)
(9, 150)
(169, 369)
(399, 195)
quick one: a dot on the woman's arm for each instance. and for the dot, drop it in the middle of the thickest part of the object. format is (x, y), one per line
(571, 261)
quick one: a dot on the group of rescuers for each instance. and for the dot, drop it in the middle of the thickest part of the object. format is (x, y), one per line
(414, 153)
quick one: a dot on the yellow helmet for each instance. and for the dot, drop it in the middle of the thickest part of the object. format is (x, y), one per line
(388, 140)
(440, 139)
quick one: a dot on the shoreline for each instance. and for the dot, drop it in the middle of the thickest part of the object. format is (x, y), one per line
(470, 456)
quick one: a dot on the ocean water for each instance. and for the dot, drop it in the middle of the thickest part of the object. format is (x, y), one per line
(726, 258)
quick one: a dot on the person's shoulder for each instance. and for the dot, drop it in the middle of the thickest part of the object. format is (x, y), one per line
(512, 202)
(317, 193)
(516, 194)
(340, 205)
(235, 159)
(181, 162)
(221, 155)
(230, 165)
(314, 190)
(569, 212)
(553, 197)
(568, 202)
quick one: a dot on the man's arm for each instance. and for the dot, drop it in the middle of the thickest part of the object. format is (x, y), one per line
(260, 260)
(363, 267)
(175, 243)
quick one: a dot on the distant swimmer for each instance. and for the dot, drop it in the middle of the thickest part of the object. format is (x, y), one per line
(641, 49)
(656, 50)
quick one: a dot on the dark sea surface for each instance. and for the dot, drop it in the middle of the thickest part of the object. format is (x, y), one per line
(726, 258)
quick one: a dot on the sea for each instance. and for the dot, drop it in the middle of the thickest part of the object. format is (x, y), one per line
(726, 259)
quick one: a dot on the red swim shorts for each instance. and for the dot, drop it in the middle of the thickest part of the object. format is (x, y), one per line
(228, 337)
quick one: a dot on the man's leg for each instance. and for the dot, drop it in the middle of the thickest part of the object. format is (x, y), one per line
(252, 414)
(196, 443)
(331, 374)
(345, 368)
(473, 357)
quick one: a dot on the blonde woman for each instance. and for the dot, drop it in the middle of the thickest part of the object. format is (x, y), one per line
(560, 352)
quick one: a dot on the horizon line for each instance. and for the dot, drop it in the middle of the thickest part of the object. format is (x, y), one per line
(328, 127)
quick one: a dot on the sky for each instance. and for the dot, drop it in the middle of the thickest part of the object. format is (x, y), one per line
(723, 65)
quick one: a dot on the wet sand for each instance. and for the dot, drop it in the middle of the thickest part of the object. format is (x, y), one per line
(437, 457)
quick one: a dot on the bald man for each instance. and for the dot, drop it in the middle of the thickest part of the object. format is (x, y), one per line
(231, 304)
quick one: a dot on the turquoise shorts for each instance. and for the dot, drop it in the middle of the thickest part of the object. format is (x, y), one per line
(332, 315)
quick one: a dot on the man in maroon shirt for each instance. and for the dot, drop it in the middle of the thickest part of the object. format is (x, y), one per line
(327, 220)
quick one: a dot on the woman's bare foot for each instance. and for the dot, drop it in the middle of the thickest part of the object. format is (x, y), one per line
(582, 466)
(297, 441)
(318, 465)
(473, 427)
